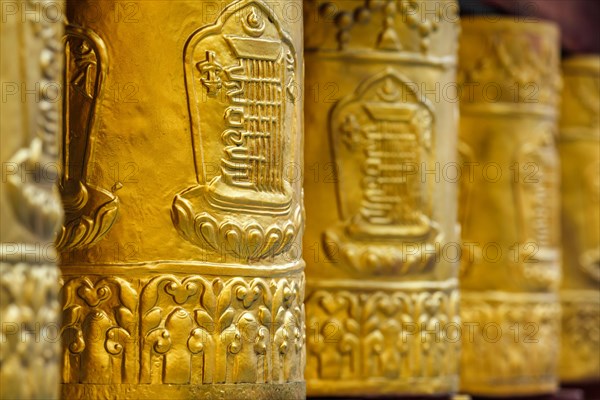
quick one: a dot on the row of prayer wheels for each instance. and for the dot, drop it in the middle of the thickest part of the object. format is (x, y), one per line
(274, 199)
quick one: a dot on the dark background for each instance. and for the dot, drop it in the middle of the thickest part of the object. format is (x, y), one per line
(579, 20)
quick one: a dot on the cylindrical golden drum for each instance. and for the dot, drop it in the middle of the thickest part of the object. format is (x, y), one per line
(509, 206)
(30, 206)
(381, 114)
(579, 149)
(181, 248)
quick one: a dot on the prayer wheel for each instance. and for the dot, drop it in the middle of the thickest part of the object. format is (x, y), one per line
(180, 253)
(30, 205)
(381, 241)
(580, 197)
(509, 206)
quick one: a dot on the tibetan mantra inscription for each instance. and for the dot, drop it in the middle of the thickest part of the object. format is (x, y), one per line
(181, 248)
(380, 294)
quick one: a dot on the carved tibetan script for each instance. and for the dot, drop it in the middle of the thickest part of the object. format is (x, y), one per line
(240, 79)
(382, 137)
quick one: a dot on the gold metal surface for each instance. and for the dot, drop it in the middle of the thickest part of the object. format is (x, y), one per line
(381, 296)
(30, 211)
(181, 256)
(509, 207)
(579, 149)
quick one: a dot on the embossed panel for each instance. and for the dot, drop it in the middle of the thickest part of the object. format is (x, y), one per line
(244, 68)
(90, 211)
(537, 208)
(381, 137)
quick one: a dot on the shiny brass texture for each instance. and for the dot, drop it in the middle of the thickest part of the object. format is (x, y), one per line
(30, 206)
(381, 126)
(579, 150)
(509, 206)
(181, 248)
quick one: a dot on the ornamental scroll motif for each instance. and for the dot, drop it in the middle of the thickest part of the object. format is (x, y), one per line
(525, 352)
(30, 316)
(90, 211)
(382, 136)
(390, 334)
(396, 20)
(98, 331)
(580, 334)
(192, 330)
(240, 79)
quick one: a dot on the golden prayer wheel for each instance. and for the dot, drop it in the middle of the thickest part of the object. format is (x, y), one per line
(579, 150)
(509, 206)
(30, 206)
(381, 239)
(181, 248)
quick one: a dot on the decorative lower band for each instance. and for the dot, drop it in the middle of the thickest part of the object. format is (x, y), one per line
(509, 344)
(30, 348)
(174, 329)
(580, 335)
(233, 391)
(370, 338)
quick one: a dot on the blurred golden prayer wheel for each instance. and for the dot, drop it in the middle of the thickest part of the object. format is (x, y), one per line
(579, 149)
(380, 110)
(509, 206)
(30, 209)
